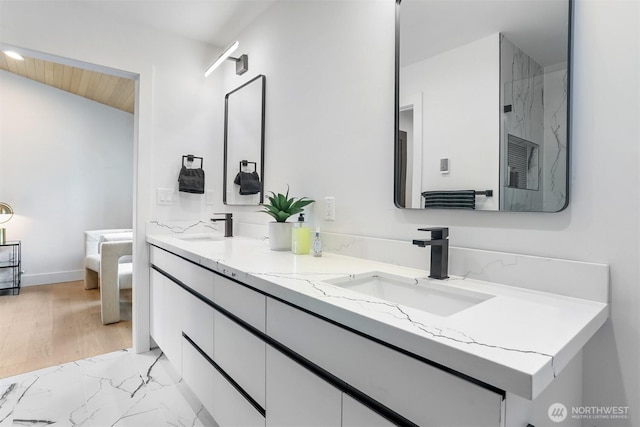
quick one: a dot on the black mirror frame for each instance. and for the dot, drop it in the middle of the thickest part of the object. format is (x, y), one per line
(396, 118)
(262, 127)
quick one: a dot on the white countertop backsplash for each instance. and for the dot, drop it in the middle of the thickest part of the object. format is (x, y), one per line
(543, 313)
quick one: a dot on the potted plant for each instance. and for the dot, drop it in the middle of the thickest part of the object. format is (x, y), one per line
(281, 207)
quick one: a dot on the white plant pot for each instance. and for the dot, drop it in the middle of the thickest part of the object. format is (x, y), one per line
(280, 236)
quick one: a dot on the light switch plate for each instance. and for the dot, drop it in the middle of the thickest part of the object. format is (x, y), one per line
(444, 165)
(165, 196)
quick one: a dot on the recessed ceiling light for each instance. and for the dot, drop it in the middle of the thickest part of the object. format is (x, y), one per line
(13, 55)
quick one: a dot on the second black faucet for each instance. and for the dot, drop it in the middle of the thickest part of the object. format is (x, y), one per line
(439, 265)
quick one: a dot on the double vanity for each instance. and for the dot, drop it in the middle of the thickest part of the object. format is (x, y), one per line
(270, 338)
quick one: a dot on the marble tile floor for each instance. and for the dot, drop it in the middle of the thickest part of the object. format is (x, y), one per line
(119, 389)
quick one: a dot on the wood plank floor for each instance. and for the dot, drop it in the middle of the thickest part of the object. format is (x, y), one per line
(48, 325)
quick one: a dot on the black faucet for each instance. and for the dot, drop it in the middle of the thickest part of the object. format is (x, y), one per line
(228, 223)
(439, 251)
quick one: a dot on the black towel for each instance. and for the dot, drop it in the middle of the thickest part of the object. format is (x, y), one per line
(456, 199)
(191, 180)
(249, 182)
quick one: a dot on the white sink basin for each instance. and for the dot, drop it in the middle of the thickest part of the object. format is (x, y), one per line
(200, 237)
(422, 294)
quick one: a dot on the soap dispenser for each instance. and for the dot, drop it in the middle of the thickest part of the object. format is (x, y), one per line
(300, 241)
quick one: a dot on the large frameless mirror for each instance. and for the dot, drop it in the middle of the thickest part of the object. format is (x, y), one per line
(482, 104)
(244, 144)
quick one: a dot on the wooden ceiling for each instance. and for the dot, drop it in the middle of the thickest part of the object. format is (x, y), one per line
(116, 92)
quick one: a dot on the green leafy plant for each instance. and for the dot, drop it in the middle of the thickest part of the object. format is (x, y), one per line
(281, 207)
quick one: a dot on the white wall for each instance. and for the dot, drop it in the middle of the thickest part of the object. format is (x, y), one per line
(67, 166)
(459, 91)
(330, 133)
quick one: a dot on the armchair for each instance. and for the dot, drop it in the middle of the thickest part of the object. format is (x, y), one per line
(108, 265)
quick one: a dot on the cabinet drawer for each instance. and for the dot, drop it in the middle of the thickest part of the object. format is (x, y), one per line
(223, 401)
(198, 323)
(243, 302)
(424, 394)
(192, 275)
(296, 397)
(238, 299)
(241, 354)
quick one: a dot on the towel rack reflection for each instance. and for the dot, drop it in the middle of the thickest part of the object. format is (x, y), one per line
(453, 199)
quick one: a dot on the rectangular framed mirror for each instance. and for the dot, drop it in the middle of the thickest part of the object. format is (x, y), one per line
(244, 109)
(482, 114)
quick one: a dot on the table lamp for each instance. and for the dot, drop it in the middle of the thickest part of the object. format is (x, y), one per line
(6, 213)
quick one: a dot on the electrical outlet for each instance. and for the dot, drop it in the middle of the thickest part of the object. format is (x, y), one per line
(330, 208)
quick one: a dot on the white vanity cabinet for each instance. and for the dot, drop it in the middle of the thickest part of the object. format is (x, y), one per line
(254, 359)
(263, 340)
(210, 328)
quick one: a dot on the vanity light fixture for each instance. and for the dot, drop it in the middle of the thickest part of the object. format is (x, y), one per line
(14, 55)
(242, 63)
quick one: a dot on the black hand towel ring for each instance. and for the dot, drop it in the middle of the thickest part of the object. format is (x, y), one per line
(191, 180)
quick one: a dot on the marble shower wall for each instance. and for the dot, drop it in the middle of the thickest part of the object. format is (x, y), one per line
(523, 88)
(555, 139)
(539, 104)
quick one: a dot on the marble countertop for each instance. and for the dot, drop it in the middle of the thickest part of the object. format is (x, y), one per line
(518, 341)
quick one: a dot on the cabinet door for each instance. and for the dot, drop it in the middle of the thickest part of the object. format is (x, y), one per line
(156, 316)
(355, 414)
(241, 355)
(174, 308)
(169, 303)
(298, 398)
(223, 401)
(243, 302)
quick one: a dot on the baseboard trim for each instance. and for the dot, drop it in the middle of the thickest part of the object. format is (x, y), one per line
(48, 278)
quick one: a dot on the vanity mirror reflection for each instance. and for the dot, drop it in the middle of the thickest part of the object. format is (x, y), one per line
(482, 104)
(244, 144)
